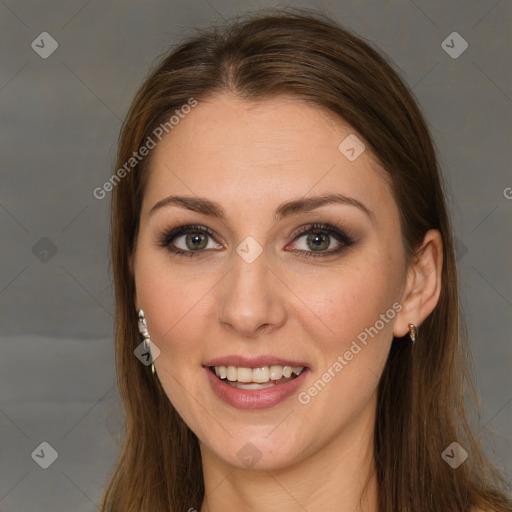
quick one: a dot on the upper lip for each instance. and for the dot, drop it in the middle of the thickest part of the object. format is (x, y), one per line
(253, 362)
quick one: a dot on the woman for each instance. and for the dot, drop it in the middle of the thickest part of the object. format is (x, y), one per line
(285, 275)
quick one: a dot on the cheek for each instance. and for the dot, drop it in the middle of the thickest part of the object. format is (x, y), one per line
(346, 302)
(350, 335)
(176, 311)
(177, 303)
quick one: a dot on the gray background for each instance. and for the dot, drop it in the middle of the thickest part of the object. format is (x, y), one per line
(60, 122)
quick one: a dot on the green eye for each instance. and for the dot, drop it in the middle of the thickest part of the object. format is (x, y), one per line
(196, 239)
(319, 238)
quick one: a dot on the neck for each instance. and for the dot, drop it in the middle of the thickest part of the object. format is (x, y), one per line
(338, 476)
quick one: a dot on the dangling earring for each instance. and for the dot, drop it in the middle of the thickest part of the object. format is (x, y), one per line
(412, 332)
(143, 329)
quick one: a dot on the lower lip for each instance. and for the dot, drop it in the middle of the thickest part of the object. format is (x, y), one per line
(254, 398)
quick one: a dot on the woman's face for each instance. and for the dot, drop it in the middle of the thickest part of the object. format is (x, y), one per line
(256, 293)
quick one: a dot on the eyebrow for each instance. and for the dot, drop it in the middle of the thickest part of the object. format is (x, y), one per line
(213, 209)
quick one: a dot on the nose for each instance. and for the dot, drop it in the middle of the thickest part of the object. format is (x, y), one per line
(252, 298)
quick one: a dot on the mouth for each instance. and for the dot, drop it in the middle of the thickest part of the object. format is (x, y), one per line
(255, 383)
(260, 377)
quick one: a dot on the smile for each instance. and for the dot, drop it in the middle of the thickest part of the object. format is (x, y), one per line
(256, 378)
(255, 387)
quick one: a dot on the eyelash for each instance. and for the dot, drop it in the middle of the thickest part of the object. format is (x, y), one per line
(166, 237)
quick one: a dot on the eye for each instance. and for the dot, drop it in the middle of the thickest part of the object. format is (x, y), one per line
(191, 240)
(319, 238)
(187, 240)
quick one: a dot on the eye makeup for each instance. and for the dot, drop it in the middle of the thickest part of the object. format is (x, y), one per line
(314, 231)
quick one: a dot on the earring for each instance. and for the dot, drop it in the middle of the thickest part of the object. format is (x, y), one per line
(143, 329)
(413, 331)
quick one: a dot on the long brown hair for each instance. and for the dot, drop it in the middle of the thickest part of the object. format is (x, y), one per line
(421, 405)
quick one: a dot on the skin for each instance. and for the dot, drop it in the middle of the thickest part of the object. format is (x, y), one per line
(250, 157)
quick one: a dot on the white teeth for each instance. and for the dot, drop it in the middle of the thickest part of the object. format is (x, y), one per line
(244, 374)
(231, 373)
(259, 375)
(276, 372)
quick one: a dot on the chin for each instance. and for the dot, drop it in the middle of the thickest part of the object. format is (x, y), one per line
(258, 450)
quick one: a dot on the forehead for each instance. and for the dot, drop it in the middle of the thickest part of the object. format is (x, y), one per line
(238, 152)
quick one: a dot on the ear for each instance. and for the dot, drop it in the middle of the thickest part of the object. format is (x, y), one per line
(423, 285)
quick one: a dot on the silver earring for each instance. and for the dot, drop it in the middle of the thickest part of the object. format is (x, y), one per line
(413, 331)
(143, 329)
